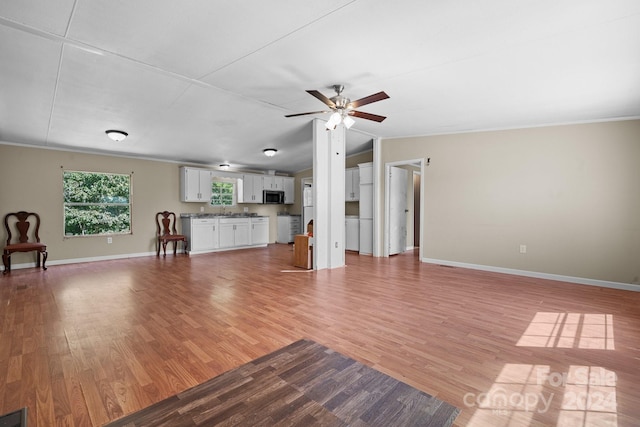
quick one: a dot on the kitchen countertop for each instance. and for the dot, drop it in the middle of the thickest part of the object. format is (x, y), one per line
(221, 215)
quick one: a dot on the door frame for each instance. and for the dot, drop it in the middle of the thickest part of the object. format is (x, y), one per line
(411, 162)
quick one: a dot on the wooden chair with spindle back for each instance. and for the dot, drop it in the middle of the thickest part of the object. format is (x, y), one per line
(166, 231)
(25, 242)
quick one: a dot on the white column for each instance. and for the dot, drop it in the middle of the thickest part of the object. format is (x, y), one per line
(328, 195)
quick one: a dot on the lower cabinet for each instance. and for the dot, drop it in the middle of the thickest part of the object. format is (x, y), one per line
(352, 233)
(204, 235)
(260, 230)
(213, 234)
(366, 236)
(288, 227)
(234, 232)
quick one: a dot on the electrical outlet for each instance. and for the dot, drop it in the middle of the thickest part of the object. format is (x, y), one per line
(201, 208)
(246, 209)
(523, 249)
(109, 240)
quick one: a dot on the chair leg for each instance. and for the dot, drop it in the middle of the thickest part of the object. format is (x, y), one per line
(175, 247)
(6, 260)
(45, 254)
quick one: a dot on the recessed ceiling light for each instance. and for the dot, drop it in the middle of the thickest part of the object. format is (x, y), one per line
(116, 135)
(269, 152)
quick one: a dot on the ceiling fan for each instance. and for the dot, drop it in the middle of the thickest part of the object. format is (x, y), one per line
(343, 107)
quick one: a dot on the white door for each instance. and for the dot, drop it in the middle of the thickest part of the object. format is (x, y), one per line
(397, 210)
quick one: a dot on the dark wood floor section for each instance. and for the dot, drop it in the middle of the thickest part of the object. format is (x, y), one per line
(86, 344)
(302, 384)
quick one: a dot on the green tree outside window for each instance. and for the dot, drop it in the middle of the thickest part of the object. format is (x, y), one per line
(96, 203)
(223, 193)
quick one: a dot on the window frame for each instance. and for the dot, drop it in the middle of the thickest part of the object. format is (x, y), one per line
(128, 205)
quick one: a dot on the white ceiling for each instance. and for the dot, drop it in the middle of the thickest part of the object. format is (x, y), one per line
(209, 82)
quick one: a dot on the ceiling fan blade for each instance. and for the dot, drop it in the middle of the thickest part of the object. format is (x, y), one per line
(322, 98)
(368, 99)
(305, 114)
(368, 116)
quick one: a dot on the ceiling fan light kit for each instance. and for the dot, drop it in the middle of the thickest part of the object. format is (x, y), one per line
(342, 107)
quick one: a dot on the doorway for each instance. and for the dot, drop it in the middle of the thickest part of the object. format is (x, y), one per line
(410, 224)
(417, 208)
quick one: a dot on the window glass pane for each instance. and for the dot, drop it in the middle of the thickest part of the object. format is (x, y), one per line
(96, 219)
(96, 203)
(89, 187)
(223, 192)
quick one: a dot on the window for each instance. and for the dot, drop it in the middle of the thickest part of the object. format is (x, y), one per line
(96, 203)
(223, 191)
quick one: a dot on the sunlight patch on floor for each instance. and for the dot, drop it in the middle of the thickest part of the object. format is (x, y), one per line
(569, 330)
(523, 395)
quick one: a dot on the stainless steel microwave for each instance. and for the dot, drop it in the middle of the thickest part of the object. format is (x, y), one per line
(273, 197)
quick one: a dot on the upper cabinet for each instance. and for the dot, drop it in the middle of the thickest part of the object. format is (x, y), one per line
(195, 185)
(352, 185)
(254, 184)
(251, 189)
(289, 192)
(271, 182)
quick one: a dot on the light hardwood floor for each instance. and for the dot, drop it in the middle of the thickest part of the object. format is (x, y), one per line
(83, 344)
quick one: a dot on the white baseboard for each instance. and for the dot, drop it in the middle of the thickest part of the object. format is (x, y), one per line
(78, 260)
(538, 275)
(121, 256)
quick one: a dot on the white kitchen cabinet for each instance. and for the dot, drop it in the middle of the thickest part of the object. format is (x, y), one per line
(366, 173)
(352, 233)
(289, 192)
(366, 201)
(195, 185)
(366, 236)
(251, 189)
(234, 232)
(272, 182)
(253, 184)
(288, 227)
(352, 185)
(211, 234)
(260, 230)
(366, 208)
(202, 234)
(267, 182)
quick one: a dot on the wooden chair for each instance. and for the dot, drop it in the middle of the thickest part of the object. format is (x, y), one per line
(166, 231)
(23, 244)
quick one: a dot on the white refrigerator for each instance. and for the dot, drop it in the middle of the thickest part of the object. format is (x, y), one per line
(307, 207)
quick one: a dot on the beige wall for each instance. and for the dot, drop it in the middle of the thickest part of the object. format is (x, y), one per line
(32, 181)
(570, 193)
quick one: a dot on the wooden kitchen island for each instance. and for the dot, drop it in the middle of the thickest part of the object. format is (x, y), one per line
(303, 251)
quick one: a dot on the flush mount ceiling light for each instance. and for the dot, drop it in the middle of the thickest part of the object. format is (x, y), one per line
(269, 152)
(224, 166)
(116, 135)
